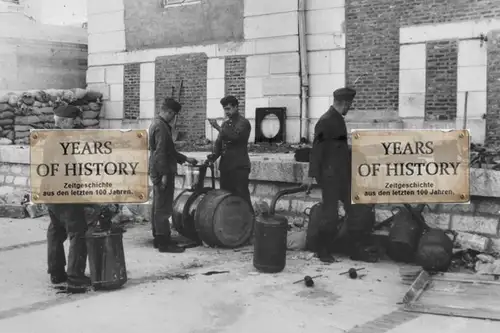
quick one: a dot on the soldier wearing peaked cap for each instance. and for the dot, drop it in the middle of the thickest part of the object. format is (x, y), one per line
(66, 221)
(163, 160)
(330, 165)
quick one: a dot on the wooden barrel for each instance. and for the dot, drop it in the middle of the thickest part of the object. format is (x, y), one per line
(224, 220)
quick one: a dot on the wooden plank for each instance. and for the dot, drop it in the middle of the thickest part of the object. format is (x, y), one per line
(417, 287)
(478, 313)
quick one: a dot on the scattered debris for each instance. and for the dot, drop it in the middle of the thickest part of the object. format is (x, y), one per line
(307, 276)
(193, 264)
(356, 270)
(215, 272)
(175, 276)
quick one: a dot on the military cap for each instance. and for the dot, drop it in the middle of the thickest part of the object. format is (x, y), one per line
(229, 100)
(172, 104)
(67, 111)
(344, 94)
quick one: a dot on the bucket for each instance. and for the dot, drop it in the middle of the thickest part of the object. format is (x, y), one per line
(106, 258)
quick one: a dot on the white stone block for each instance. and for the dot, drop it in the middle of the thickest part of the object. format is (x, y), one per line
(215, 68)
(285, 63)
(114, 74)
(147, 91)
(317, 106)
(292, 130)
(412, 81)
(323, 85)
(113, 110)
(412, 56)
(100, 6)
(265, 7)
(324, 4)
(476, 104)
(258, 65)
(291, 103)
(319, 62)
(148, 72)
(337, 62)
(253, 87)
(147, 109)
(116, 92)
(331, 41)
(214, 109)
(96, 74)
(277, 45)
(477, 128)
(470, 53)
(411, 105)
(210, 132)
(253, 103)
(227, 49)
(252, 131)
(107, 42)
(106, 22)
(472, 78)
(216, 88)
(281, 85)
(325, 21)
(273, 25)
(102, 88)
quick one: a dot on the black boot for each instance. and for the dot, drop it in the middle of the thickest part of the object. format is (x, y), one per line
(58, 278)
(362, 248)
(166, 245)
(325, 256)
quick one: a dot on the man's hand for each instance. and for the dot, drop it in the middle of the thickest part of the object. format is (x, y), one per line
(308, 183)
(192, 161)
(213, 123)
(211, 157)
(163, 182)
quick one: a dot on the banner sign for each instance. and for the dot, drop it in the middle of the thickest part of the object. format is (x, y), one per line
(410, 166)
(89, 166)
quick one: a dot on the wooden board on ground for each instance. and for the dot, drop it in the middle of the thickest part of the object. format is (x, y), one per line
(458, 295)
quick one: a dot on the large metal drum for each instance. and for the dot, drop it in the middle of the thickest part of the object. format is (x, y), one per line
(184, 211)
(224, 220)
(187, 202)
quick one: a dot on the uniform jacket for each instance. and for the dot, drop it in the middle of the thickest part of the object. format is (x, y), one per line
(330, 155)
(163, 156)
(232, 144)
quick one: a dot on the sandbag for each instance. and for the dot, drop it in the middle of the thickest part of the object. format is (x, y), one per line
(13, 99)
(90, 122)
(6, 115)
(79, 93)
(20, 135)
(5, 142)
(6, 121)
(90, 114)
(4, 99)
(22, 141)
(296, 240)
(5, 107)
(95, 106)
(27, 98)
(93, 96)
(27, 120)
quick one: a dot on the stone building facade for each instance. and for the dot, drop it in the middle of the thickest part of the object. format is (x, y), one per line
(411, 61)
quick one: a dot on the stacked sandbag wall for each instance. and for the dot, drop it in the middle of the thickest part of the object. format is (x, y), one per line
(21, 112)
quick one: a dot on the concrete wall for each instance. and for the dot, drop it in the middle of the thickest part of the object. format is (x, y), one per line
(411, 62)
(270, 50)
(56, 12)
(156, 24)
(38, 56)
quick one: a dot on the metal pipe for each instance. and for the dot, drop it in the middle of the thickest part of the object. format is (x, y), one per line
(293, 190)
(304, 71)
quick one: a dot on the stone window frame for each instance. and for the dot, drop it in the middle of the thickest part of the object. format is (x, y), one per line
(179, 3)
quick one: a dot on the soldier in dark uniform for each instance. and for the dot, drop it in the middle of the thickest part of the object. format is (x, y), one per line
(66, 221)
(163, 160)
(232, 146)
(330, 165)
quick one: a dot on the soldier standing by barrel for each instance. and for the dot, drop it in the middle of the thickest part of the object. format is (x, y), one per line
(232, 146)
(163, 162)
(330, 165)
(66, 221)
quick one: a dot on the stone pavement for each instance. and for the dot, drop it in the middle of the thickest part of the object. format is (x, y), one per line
(240, 301)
